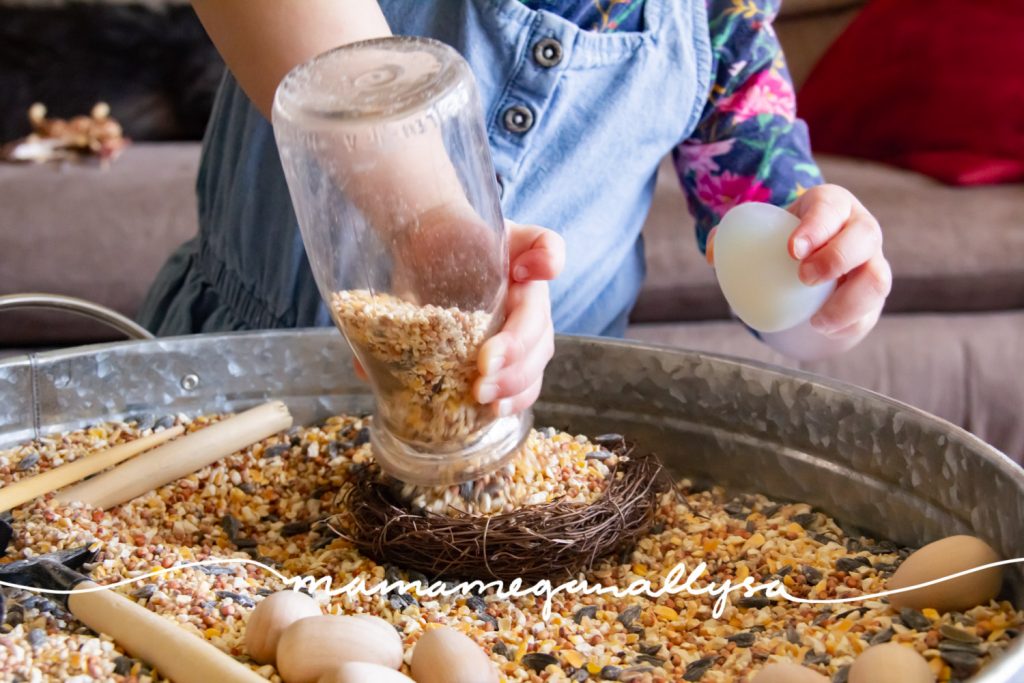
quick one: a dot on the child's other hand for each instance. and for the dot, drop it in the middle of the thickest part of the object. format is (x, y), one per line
(838, 239)
(512, 362)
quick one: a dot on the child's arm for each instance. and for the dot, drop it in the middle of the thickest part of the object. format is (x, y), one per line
(749, 146)
(262, 40)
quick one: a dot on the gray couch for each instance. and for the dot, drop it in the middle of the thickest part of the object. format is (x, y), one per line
(951, 342)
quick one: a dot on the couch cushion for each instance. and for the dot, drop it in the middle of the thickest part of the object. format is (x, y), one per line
(956, 366)
(99, 234)
(951, 249)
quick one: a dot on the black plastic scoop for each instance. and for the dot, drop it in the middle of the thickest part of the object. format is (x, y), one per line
(176, 653)
(52, 571)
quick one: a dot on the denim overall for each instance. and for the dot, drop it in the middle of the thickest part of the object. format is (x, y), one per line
(577, 121)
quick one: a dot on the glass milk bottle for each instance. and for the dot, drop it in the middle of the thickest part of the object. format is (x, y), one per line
(387, 162)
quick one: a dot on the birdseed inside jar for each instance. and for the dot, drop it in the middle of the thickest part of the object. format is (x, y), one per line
(423, 361)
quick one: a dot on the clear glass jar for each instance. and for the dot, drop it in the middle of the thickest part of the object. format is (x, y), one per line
(389, 169)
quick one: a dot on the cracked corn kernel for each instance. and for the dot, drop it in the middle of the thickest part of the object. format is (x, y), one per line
(574, 658)
(666, 613)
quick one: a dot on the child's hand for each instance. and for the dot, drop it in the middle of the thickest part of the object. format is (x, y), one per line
(512, 362)
(838, 239)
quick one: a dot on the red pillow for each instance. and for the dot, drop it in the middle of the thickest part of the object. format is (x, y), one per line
(932, 85)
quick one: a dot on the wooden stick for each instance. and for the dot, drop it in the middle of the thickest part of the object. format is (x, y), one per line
(180, 457)
(177, 654)
(28, 489)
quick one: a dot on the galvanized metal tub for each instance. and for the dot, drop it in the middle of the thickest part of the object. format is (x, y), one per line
(872, 462)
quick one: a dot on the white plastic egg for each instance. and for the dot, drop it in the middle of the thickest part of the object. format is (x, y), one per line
(758, 277)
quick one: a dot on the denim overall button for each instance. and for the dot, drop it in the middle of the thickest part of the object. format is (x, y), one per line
(518, 119)
(547, 52)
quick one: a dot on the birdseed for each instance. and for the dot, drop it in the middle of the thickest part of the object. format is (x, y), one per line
(550, 466)
(422, 361)
(588, 638)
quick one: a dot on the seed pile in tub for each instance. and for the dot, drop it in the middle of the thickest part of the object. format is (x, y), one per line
(267, 502)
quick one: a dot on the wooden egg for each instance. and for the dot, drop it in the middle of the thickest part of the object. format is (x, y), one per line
(364, 672)
(758, 277)
(314, 646)
(271, 617)
(891, 663)
(444, 655)
(784, 672)
(943, 558)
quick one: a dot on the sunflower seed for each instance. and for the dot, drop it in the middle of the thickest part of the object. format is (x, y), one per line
(913, 619)
(500, 648)
(964, 664)
(696, 669)
(230, 525)
(276, 451)
(243, 600)
(538, 661)
(956, 646)
(954, 633)
(588, 611)
(754, 601)
(295, 528)
(883, 636)
(28, 462)
(216, 569)
(812, 575)
(123, 665)
(744, 639)
(145, 592)
(629, 615)
(851, 564)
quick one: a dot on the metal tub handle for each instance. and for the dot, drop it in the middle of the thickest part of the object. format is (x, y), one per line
(88, 309)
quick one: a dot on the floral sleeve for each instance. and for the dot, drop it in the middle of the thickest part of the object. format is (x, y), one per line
(748, 145)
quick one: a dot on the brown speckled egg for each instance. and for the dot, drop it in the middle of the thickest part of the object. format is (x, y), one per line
(891, 663)
(271, 617)
(943, 558)
(784, 672)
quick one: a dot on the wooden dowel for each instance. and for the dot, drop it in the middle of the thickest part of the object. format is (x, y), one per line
(181, 457)
(177, 654)
(29, 489)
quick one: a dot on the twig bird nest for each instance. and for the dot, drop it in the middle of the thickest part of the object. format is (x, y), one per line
(532, 542)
